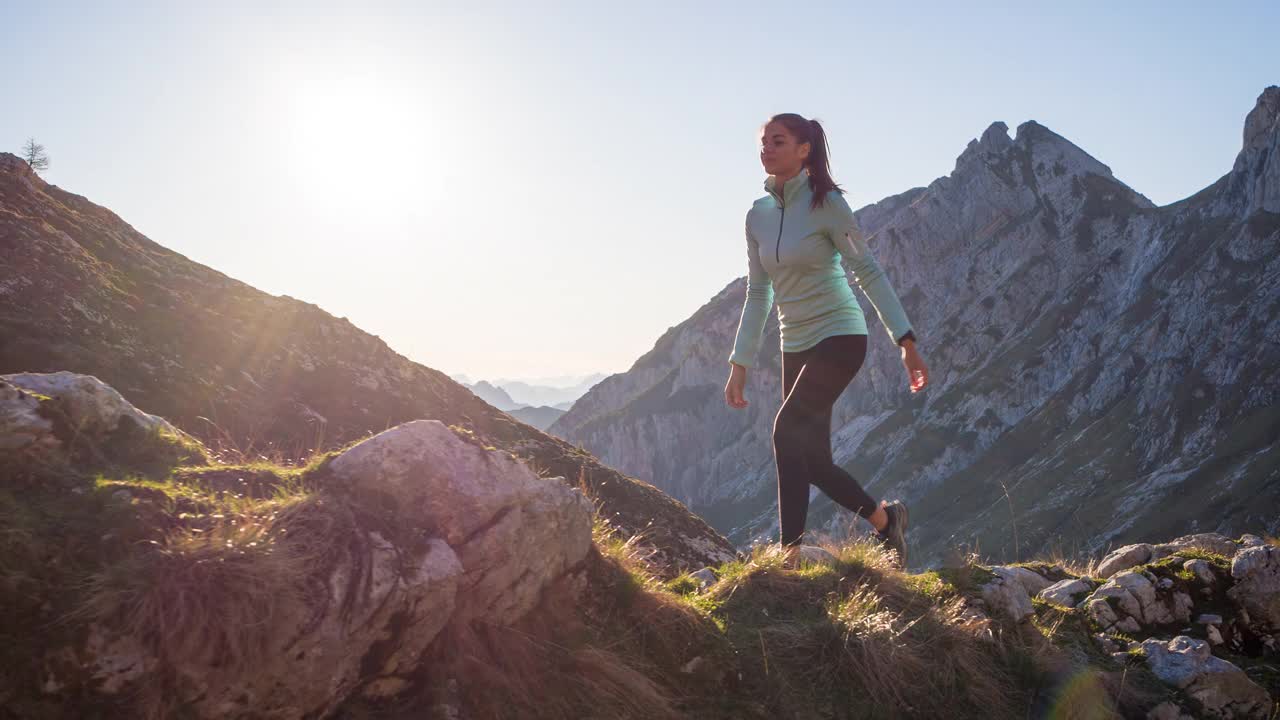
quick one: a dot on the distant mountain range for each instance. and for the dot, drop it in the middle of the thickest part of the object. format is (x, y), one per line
(1103, 369)
(537, 405)
(558, 392)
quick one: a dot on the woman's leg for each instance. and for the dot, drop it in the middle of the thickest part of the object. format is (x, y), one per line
(790, 457)
(802, 432)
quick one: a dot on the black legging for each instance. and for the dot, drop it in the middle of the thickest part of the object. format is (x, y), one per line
(811, 381)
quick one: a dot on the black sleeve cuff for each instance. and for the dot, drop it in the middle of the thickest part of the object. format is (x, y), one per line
(910, 335)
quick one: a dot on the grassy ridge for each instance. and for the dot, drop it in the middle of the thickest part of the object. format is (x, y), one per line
(196, 560)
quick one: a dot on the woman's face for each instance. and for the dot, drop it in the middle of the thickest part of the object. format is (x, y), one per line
(779, 152)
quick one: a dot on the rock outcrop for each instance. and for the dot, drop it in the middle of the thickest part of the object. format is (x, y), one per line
(341, 589)
(513, 531)
(1221, 689)
(1190, 614)
(1256, 572)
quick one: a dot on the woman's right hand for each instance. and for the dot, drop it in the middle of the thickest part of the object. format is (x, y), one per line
(733, 388)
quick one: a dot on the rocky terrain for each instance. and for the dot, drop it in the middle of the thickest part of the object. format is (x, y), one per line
(1102, 370)
(82, 291)
(421, 573)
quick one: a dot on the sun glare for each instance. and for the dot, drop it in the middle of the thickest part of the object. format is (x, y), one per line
(356, 140)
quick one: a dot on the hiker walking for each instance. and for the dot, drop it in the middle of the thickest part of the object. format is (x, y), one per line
(796, 236)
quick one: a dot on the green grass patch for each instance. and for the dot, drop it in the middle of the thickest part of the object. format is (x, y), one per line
(967, 580)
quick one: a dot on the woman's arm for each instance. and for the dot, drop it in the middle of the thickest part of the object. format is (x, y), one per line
(867, 273)
(755, 309)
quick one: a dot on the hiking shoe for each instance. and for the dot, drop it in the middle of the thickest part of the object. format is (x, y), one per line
(894, 535)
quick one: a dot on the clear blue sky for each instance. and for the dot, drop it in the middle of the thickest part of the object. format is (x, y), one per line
(523, 189)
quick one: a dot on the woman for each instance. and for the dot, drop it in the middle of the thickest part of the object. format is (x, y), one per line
(796, 236)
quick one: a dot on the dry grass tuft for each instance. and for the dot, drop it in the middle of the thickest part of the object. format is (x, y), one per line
(203, 595)
(818, 640)
(550, 665)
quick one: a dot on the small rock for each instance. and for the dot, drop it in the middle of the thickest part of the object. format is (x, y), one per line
(1133, 591)
(1249, 541)
(706, 576)
(1129, 625)
(1124, 558)
(1065, 592)
(1209, 619)
(1101, 612)
(1164, 583)
(1031, 581)
(1006, 595)
(1202, 571)
(1215, 637)
(1182, 606)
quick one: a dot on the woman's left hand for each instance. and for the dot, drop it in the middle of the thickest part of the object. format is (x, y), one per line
(917, 373)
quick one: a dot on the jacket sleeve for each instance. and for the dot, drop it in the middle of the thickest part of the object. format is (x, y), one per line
(755, 309)
(867, 273)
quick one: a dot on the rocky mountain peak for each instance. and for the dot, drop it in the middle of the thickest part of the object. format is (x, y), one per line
(1264, 119)
(1256, 173)
(1037, 162)
(994, 140)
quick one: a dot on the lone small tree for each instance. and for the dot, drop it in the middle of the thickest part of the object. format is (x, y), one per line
(33, 152)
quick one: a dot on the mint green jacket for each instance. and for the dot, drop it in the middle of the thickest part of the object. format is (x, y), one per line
(795, 252)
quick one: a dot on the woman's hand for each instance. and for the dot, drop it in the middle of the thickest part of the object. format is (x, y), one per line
(917, 373)
(733, 388)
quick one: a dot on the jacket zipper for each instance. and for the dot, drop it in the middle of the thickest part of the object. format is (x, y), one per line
(777, 251)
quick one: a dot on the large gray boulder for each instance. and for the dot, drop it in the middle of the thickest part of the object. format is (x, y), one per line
(513, 531)
(1256, 572)
(412, 530)
(91, 405)
(1208, 542)
(1221, 689)
(67, 417)
(367, 631)
(1132, 600)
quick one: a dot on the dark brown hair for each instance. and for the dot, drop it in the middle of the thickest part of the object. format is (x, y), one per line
(819, 161)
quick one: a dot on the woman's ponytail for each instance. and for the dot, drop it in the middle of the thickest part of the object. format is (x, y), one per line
(819, 164)
(819, 161)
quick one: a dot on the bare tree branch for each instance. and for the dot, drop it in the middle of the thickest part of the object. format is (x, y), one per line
(33, 152)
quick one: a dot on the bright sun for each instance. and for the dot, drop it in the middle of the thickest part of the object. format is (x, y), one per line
(356, 140)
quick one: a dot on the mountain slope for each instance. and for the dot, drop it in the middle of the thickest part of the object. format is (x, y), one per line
(81, 290)
(540, 417)
(1089, 353)
(493, 395)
